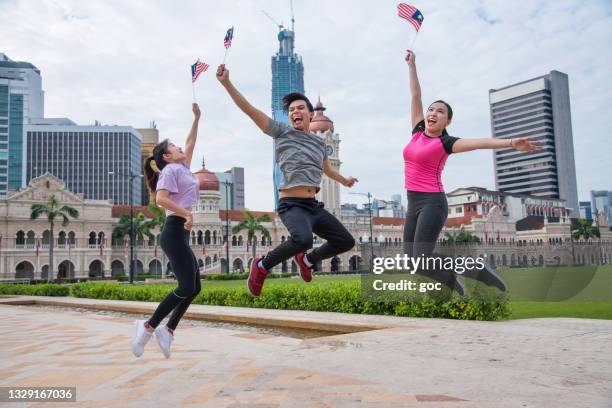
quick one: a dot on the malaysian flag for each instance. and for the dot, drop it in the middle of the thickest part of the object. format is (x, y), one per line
(197, 69)
(227, 41)
(411, 14)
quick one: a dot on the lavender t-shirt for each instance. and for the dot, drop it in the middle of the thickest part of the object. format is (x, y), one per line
(180, 182)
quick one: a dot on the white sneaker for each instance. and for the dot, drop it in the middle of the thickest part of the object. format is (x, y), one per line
(164, 339)
(140, 338)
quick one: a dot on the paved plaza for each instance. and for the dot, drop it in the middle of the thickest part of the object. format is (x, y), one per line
(378, 361)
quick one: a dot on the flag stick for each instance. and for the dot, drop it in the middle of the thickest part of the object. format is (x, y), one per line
(413, 41)
(225, 55)
(193, 89)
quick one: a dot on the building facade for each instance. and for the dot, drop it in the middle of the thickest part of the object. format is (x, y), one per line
(85, 248)
(233, 181)
(585, 210)
(601, 203)
(538, 108)
(93, 160)
(21, 99)
(323, 127)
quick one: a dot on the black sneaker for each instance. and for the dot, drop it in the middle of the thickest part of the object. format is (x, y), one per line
(486, 275)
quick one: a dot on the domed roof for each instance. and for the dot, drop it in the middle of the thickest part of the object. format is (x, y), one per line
(208, 180)
(320, 122)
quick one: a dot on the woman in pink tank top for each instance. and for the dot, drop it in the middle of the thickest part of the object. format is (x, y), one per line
(424, 158)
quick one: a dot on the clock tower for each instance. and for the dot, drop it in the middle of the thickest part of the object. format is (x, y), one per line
(322, 126)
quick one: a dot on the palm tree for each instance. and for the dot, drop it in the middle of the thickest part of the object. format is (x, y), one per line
(159, 214)
(253, 224)
(584, 228)
(53, 209)
(142, 227)
(461, 237)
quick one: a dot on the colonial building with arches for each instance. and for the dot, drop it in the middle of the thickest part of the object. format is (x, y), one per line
(85, 248)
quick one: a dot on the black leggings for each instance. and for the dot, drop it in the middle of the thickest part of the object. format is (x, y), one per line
(425, 217)
(302, 217)
(175, 243)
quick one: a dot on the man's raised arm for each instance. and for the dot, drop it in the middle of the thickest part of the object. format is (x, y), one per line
(261, 119)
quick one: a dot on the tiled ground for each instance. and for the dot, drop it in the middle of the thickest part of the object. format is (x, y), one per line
(417, 363)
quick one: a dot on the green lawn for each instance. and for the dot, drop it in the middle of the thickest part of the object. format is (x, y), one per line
(583, 292)
(591, 310)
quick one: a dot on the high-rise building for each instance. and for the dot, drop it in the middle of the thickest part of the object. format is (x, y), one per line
(93, 160)
(601, 203)
(233, 180)
(21, 100)
(585, 210)
(538, 108)
(150, 137)
(287, 77)
(287, 73)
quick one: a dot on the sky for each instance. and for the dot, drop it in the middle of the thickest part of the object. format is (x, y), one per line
(128, 63)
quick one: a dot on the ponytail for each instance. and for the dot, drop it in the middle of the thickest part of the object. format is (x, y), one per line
(151, 175)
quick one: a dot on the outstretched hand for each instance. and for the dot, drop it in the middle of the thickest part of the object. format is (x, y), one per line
(350, 182)
(223, 74)
(195, 108)
(524, 144)
(410, 58)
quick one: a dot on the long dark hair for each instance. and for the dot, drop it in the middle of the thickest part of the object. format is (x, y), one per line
(158, 156)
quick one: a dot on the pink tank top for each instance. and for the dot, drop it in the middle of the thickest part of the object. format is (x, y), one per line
(424, 159)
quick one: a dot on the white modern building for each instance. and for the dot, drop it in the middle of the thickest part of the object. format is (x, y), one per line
(538, 108)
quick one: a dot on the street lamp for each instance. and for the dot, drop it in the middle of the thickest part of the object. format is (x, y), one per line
(131, 177)
(371, 232)
(227, 257)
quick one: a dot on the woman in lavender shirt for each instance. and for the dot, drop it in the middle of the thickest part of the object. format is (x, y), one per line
(176, 189)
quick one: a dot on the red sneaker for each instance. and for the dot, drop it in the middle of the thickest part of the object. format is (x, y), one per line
(305, 270)
(257, 276)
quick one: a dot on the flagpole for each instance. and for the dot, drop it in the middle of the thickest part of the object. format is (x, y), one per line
(193, 89)
(225, 55)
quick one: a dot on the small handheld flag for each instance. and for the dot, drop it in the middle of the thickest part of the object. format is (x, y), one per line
(197, 69)
(411, 14)
(227, 41)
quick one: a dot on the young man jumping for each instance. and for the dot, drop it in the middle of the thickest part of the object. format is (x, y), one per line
(302, 159)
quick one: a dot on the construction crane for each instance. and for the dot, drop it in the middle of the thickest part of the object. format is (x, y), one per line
(280, 26)
(292, 17)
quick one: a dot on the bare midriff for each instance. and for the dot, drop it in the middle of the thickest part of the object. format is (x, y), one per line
(298, 191)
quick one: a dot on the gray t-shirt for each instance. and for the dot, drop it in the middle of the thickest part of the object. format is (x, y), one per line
(299, 154)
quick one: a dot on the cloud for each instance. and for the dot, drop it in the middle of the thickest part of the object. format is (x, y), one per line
(128, 63)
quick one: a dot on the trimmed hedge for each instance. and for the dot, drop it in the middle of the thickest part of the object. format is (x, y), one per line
(336, 297)
(342, 297)
(41, 289)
